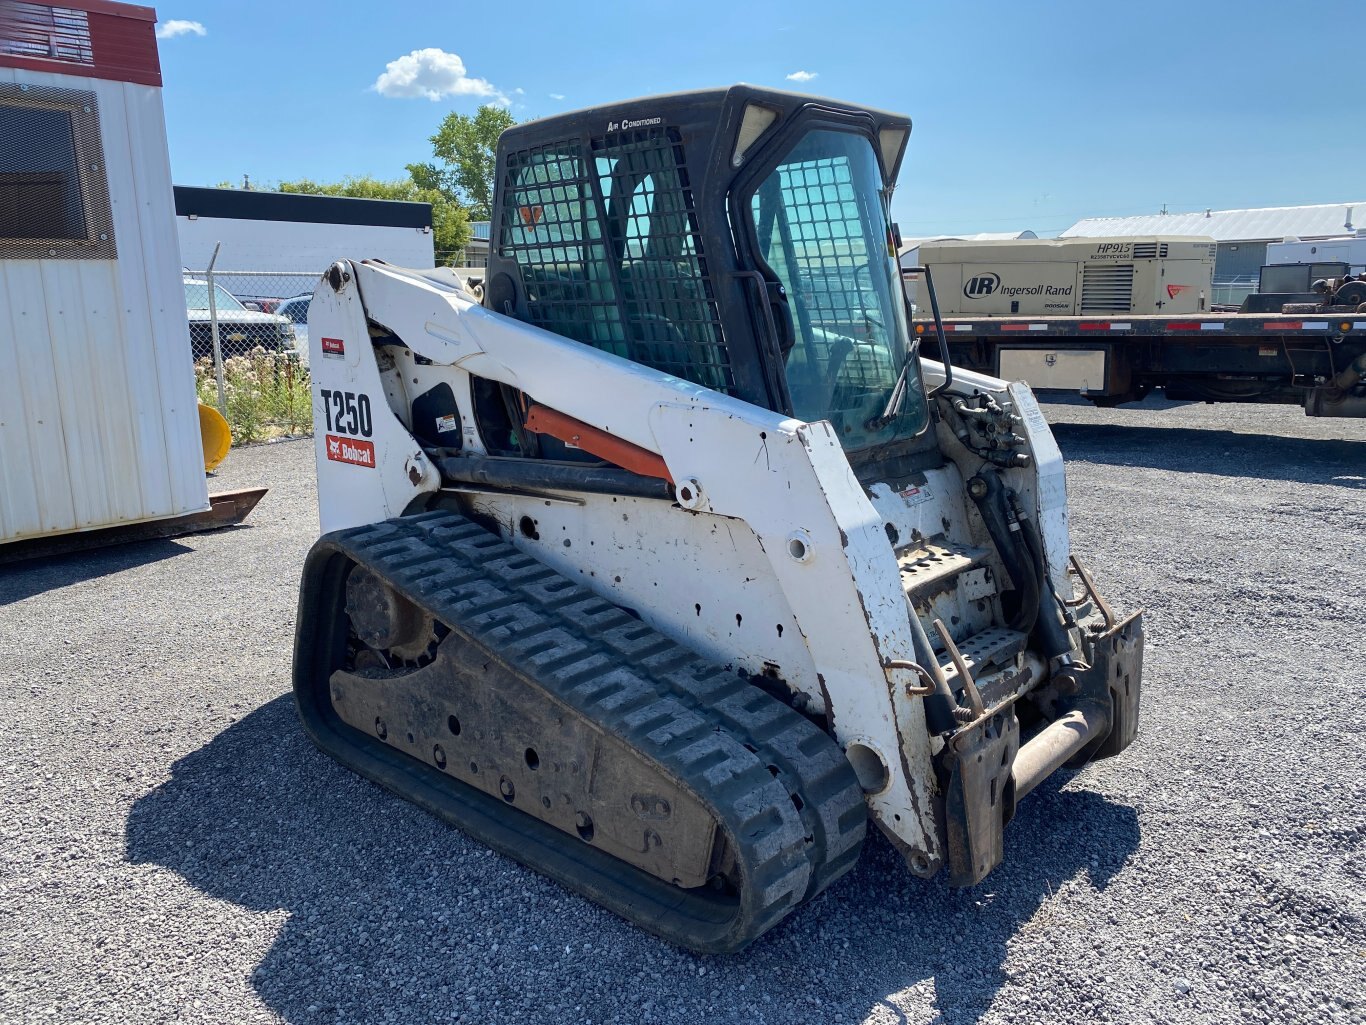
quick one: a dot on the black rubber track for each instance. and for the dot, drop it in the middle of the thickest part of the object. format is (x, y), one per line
(781, 790)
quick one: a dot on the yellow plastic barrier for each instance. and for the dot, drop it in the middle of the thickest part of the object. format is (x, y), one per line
(216, 436)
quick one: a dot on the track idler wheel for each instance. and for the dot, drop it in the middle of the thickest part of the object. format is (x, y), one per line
(385, 620)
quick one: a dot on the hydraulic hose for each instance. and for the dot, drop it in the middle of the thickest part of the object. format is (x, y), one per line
(1049, 627)
(988, 493)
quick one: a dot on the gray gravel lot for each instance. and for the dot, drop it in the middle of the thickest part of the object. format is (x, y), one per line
(173, 849)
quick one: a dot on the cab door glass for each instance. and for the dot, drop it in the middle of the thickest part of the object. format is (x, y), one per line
(823, 232)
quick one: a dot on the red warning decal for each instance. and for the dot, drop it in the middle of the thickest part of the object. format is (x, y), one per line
(1174, 290)
(333, 347)
(531, 215)
(350, 450)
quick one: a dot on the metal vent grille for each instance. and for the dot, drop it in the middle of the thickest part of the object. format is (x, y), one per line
(45, 32)
(1149, 250)
(611, 255)
(1107, 288)
(54, 192)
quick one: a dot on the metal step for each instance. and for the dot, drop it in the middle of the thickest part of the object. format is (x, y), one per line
(993, 648)
(935, 562)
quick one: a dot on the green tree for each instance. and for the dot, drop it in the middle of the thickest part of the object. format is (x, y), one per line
(465, 145)
(450, 221)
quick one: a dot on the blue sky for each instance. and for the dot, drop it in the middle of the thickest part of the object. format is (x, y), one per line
(1027, 115)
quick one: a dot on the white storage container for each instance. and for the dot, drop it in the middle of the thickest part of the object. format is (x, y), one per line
(98, 413)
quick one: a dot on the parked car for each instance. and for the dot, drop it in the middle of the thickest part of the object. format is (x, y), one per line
(296, 309)
(239, 329)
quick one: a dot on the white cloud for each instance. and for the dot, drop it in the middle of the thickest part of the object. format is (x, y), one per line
(802, 76)
(179, 27)
(519, 91)
(432, 73)
(557, 96)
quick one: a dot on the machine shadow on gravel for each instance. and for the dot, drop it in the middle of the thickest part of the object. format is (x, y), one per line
(1223, 453)
(902, 931)
(22, 580)
(257, 817)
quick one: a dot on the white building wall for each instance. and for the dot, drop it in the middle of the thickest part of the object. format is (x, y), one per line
(99, 420)
(297, 246)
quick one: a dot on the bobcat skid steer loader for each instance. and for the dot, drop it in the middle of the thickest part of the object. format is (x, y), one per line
(670, 563)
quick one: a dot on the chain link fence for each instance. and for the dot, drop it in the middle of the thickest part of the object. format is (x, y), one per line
(249, 337)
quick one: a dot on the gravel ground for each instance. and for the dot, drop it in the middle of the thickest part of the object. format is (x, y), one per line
(173, 849)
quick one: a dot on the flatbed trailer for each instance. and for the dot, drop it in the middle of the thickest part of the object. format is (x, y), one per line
(1315, 360)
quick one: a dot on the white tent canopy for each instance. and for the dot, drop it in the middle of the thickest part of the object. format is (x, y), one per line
(1267, 224)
